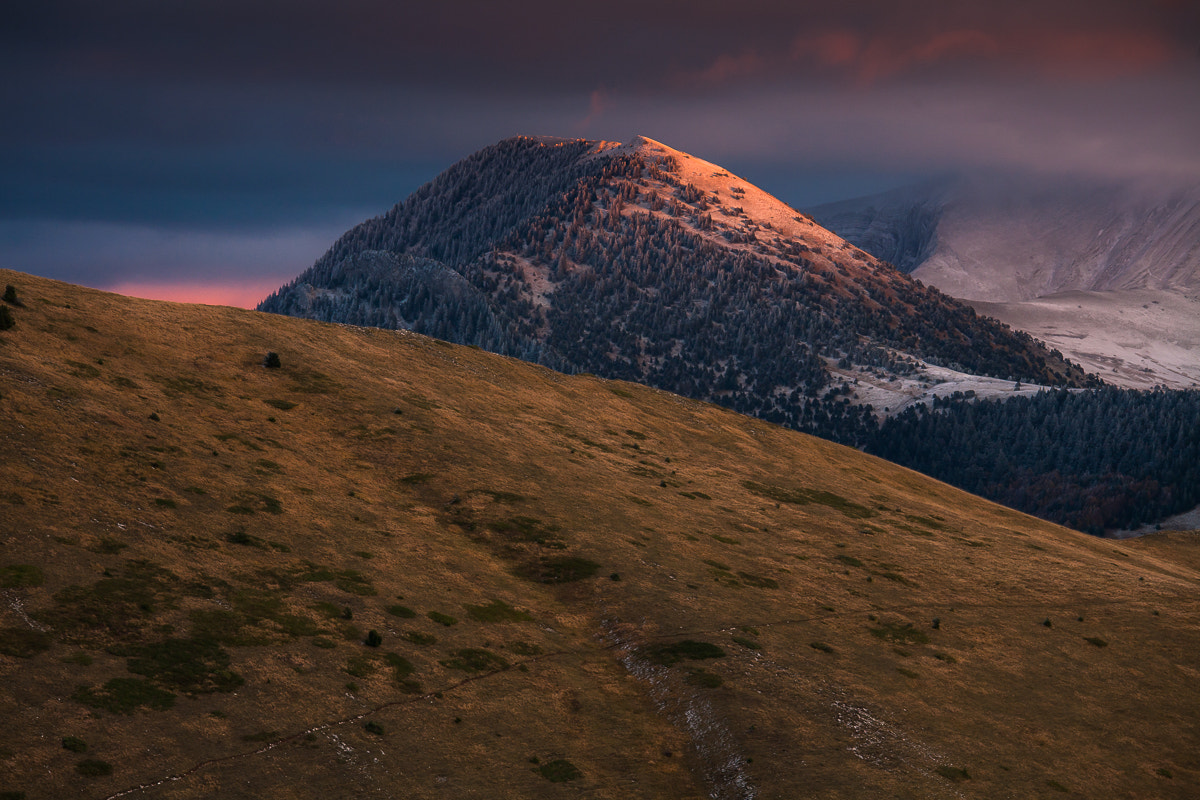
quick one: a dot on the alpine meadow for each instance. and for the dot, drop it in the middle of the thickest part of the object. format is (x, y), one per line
(384, 565)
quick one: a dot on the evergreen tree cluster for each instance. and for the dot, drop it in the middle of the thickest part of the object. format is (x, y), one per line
(1092, 460)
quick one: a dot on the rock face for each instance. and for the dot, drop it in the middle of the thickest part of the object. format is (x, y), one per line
(641, 262)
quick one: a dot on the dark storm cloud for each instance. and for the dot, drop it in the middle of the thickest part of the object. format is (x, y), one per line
(565, 46)
(256, 117)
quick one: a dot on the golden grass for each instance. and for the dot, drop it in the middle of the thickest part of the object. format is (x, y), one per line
(376, 469)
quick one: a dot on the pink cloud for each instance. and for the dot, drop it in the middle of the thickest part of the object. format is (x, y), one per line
(598, 103)
(728, 67)
(1082, 54)
(239, 294)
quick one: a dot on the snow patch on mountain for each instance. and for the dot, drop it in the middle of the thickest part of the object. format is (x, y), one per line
(1108, 274)
(891, 394)
(1136, 339)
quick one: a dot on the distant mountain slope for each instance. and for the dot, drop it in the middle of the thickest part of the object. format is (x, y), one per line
(644, 263)
(1009, 240)
(899, 226)
(1076, 266)
(1138, 339)
(577, 587)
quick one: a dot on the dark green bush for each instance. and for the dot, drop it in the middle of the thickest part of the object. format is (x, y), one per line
(374, 638)
(895, 632)
(559, 771)
(23, 642)
(360, 667)
(670, 654)
(954, 774)
(124, 696)
(704, 678)
(74, 744)
(401, 666)
(474, 659)
(192, 666)
(21, 576)
(442, 619)
(564, 569)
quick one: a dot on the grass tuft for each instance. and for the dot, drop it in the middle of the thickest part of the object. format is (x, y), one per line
(23, 642)
(474, 659)
(895, 632)
(667, 655)
(560, 770)
(497, 611)
(954, 774)
(124, 696)
(565, 569)
(74, 744)
(21, 576)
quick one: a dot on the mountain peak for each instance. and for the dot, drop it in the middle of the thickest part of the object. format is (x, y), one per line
(642, 262)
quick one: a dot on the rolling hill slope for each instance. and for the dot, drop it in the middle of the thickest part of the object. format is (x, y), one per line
(578, 587)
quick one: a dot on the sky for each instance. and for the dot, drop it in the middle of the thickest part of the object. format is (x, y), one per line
(211, 151)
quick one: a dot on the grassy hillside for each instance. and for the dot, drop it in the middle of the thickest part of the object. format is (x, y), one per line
(580, 588)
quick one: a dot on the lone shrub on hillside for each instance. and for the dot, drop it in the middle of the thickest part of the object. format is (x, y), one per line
(6, 318)
(271, 361)
(374, 638)
(74, 744)
(10, 295)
